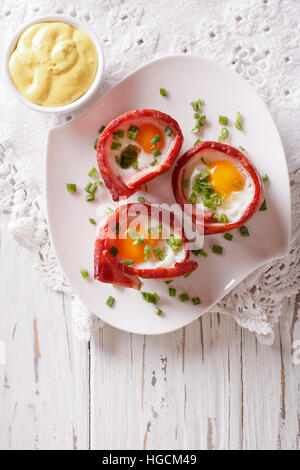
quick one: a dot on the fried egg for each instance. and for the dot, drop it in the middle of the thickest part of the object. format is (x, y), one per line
(227, 179)
(145, 247)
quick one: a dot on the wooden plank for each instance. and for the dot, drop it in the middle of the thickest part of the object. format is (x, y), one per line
(44, 384)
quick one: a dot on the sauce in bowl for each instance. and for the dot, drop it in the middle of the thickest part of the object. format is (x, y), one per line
(53, 63)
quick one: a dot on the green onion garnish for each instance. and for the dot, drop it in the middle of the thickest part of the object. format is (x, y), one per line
(88, 186)
(196, 115)
(197, 142)
(95, 144)
(158, 312)
(114, 250)
(228, 236)
(265, 179)
(90, 197)
(128, 262)
(128, 156)
(109, 211)
(196, 104)
(142, 200)
(185, 183)
(93, 188)
(168, 282)
(168, 131)
(224, 133)
(238, 123)
(92, 221)
(72, 188)
(92, 172)
(263, 207)
(135, 165)
(207, 163)
(221, 139)
(156, 139)
(200, 252)
(150, 298)
(132, 132)
(84, 273)
(156, 153)
(193, 198)
(196, 300)
(202, 120)
(110, 301)
(244, 231)
(116, 228)
(223, 120)
(217, 249)
(158, 251)
(147, 251)
(101, 129)
(119, 134)
(174, 243)
(222, 218)
(154, 162)
(116, 145)
(242, 148)
(184, 297)
(187, 275)
(163, 92)
(237, 184)
(172, 292)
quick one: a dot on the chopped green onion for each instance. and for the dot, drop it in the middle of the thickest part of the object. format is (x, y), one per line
(139, 240)
(187, 275)
(132, 132)
(174, 243)
(147, 251)
(184, 297)
(163, 92)
(128, 262)
(238, 123)
(217, 249)
(92, 221)
(222, 218)
(154, 162)
(224, 133)
(244, 231)
(110, 301)
(150, 298)
(84, 273)
(168, 282)
(242, 148)
(221, 139)
(101, 129)
(114, 250)
(88, 186)
(263, 207)
(196, 115)
(135, 165)
(118, 159)
(92, 172)
(202, 120)
(116, 145)
(185, 183)
(196, 104)
(223, 120)
(142, 200)
(193, 198)
(133, 233)
(119, 134)
(168, 131)
(207, 163)
(93, 188)
(128, 156)
(196, 300)
(228, 236)
(90, 197)
(116, 228)
(237, 184)
(172, 292)
(200, 252)
(158, 312)
(156, 153)
(265, 179)
(109, 211)
(158, 251)
(197, 142)
(95, 144)
(72, 188)
(156, 139)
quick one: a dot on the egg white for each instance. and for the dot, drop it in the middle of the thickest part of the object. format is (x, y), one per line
(233, 206)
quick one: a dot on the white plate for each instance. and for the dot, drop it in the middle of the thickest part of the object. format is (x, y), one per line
(70, 156)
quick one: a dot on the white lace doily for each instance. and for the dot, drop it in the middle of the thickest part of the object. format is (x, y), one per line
(256, 38)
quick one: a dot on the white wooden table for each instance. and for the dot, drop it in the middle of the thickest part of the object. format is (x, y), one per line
(210, 385)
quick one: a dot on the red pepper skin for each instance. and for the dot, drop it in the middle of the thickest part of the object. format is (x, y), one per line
(108, 268)
(113, 182)
(210, 225)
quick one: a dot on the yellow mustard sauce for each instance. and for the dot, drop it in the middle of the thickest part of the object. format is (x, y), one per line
(53, 63)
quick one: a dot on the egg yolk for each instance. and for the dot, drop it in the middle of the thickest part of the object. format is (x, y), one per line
(146, 133)
(128, 251)
(225, 177)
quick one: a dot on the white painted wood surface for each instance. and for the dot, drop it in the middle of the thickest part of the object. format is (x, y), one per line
(208, 386)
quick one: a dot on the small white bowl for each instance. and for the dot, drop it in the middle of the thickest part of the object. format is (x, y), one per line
(87, 95)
